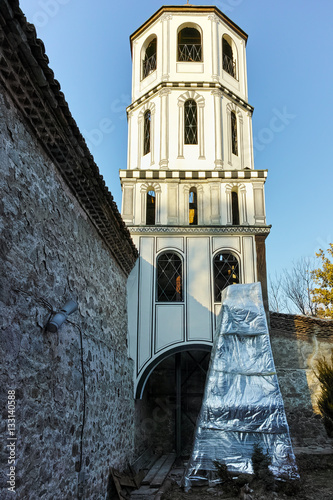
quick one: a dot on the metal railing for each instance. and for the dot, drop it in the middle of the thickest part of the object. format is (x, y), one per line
(149, 65)
(190, 52)
(229, 65)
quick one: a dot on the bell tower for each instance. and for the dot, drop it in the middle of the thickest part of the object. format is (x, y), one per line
(192, 199)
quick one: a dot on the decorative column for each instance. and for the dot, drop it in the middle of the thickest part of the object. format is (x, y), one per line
(140, 139)
(180, 129)
(136, 72)
(143, 192)
(218, 129)
(259, 203)
(128, 203)
(241, 139)
(201, 106)
(129, 145)
(229, 135)
(173, 203)
(152, 136)
(228, 190)
(242, 70)
(185, 216)
(215, 217)
(249, 116)
(166, 46)
(242, 202)
(215, 48)
(200, 205)
(164, 138)
(157, 189)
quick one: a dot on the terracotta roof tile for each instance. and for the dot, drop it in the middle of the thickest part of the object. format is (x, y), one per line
(25, 74)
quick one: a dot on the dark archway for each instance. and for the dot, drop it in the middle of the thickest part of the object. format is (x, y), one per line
(172, 391)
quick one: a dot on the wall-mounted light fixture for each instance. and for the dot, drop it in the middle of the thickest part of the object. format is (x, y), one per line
(60, 317)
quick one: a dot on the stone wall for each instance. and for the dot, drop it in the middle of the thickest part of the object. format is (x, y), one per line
(297, 343)
(50, 252)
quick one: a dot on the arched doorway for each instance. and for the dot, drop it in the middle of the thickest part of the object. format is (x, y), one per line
(171, 398)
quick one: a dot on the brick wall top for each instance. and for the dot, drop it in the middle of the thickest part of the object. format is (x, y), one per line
(28, 79)
(301, 325)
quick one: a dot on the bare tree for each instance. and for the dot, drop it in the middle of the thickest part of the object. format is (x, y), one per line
(277, 300)
(298, 284)
(292, 289)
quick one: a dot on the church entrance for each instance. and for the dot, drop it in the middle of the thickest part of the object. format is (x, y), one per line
(172, 398)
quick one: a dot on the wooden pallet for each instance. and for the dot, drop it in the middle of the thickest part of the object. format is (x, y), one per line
(155, 478)
(144, 478)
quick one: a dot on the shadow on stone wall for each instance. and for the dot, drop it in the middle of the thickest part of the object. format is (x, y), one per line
(297, 342)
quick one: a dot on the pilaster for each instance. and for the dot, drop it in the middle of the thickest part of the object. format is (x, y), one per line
(164, 137)
(218, 129)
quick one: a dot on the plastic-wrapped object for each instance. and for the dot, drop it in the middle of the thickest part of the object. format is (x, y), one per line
(242, 403)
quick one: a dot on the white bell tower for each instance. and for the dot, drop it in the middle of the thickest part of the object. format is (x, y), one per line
(192, 200)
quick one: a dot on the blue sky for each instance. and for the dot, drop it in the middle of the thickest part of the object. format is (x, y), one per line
(290, 72)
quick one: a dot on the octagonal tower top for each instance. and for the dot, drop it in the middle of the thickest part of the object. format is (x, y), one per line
(197, 44)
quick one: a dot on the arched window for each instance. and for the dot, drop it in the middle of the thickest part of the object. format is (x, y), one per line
(169, 278)
(226, 272)
(146, 132)
(189, 45)
(150, 59)
(151, 208)
(234, 138)
(190, 122)
(229, 60)
(235, 208)
(193, 207)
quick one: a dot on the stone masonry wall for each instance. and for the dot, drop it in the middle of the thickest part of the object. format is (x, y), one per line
(50, 251)
(297, 343)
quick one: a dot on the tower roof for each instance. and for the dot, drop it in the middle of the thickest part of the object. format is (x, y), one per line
(188, 9)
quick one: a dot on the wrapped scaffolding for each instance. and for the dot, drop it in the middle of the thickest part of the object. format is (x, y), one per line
(242, 404)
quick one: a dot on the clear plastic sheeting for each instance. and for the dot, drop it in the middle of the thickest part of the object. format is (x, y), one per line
(242, 403)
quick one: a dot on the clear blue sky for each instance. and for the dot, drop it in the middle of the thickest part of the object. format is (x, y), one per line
(289, 58)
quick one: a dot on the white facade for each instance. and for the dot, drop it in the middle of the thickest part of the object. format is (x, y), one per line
(189, 145)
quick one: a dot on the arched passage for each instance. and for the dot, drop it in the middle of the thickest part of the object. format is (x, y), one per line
(170, 395)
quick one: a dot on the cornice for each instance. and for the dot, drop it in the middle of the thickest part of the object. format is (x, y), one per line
(191, 86)
(189, 9)
(197, 175)
(199, 230)
(27, 79)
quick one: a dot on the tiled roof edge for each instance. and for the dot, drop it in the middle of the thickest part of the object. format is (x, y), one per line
(25, 73)
(301, 325)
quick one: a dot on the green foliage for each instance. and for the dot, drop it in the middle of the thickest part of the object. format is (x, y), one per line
(228, 483)
(324, 373)
(322, 296)
(260, 463)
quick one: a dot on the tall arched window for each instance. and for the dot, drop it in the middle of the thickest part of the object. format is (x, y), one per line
(146, 132)
(229, 60)
(150, 208)
(226, 272)
(149, 60)
(235, 208)
(234, 138)
(189, 45)
(190, 122)
(193, 207)
(169, 278)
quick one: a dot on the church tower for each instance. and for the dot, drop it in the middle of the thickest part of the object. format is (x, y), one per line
(192, 199)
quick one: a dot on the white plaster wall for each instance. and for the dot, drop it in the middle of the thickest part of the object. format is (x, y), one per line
(169, 69)
(156, 326)
(201, 156)
(208, 191)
